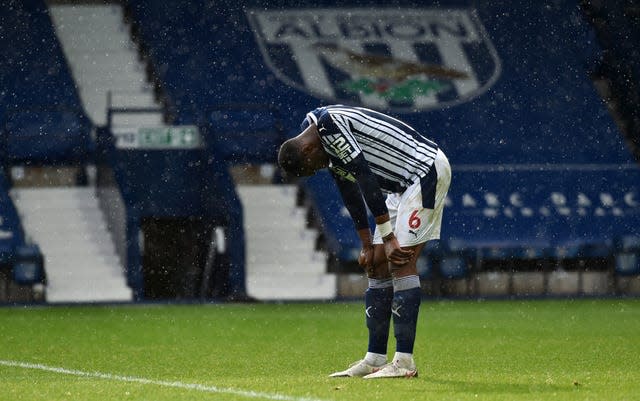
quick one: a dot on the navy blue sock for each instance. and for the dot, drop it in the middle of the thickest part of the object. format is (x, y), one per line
(405, 308)
(377, 300)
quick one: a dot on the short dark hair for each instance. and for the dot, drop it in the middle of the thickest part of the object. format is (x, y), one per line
(290, 157)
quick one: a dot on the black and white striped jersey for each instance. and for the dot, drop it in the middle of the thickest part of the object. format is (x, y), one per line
(396, 153)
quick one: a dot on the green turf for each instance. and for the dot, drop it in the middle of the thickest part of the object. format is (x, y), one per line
(534, 350)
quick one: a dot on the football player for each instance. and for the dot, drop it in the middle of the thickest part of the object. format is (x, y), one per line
(403, 177)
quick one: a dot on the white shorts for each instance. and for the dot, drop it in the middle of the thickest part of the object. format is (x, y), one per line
(412, 223)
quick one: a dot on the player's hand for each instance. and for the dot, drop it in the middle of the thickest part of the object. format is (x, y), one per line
(365, 259)
(395, 254)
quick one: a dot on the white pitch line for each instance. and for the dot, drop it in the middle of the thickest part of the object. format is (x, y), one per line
(163, 383)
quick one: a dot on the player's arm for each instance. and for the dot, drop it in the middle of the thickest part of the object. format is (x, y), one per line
(353, 201)
(370, 189)
(353, 159)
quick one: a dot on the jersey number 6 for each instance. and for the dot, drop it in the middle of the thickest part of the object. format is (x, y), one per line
(414, 220)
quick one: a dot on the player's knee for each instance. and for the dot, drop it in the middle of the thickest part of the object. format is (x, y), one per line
(378, 271)
(407, 269)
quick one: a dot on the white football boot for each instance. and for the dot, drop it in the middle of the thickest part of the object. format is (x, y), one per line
(397, 368)
(357, 369)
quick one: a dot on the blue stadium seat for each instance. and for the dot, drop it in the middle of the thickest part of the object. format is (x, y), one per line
(24, 260)
(569, 212)
(627, 255)
(341, 238)
(11, 233)
(41, 117)
(627, 263)
(29, 266)
(47, 136)
(173, 189)
(245, 133)
(207, 74)
(454, 266)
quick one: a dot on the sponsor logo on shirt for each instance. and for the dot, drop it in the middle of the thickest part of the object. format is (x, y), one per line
(341, 148)
(343, 173)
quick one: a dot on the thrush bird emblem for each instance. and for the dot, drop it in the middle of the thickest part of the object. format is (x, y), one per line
(381, 67)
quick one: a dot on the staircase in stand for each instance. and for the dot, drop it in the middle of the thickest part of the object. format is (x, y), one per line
(282, 263)
(80, 258)
(104, 59)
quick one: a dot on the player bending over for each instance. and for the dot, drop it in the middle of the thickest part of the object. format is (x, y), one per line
(371, 154)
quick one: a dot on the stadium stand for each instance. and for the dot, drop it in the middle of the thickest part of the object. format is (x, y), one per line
(541, 172)
(44, 125)
(80, 259)
(42, 117)
(41, 122)
(104, 61)
(540, 169)
(142, 188)
(241, 129)
(245, 133)
(617, 26)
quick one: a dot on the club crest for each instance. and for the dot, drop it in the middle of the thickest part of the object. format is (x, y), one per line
(396, 59)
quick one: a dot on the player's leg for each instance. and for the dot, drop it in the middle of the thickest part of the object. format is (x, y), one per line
(405, 306)
(417, 222)
(409, 229)
(378, 299)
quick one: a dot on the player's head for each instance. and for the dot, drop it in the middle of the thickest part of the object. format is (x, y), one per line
(303, 155)
(290, 158)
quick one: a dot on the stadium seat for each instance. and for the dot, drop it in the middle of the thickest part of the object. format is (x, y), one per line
(453, 266)
(47, 136)
(11, 232)
(627, 263)
(245, 133)
(627, 255)
(42, 121)
(567, 211)
(29, 266)
(618, 31)
(341, 238)
(23, 260)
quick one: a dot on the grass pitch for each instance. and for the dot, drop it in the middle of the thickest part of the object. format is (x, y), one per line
(504, 350)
